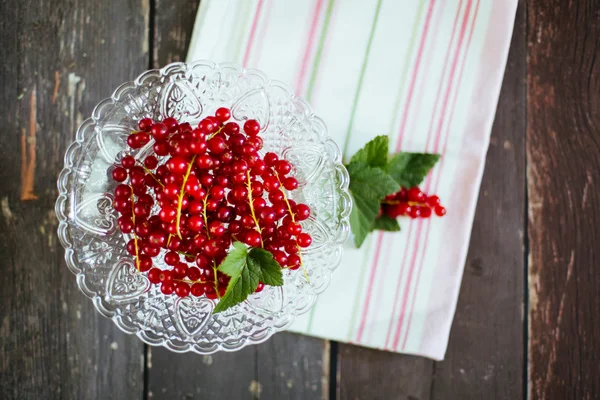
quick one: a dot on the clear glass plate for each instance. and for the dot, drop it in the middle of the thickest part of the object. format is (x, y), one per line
(95, 248)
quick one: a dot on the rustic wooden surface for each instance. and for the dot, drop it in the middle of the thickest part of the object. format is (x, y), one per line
(563, 154)
(527, 317)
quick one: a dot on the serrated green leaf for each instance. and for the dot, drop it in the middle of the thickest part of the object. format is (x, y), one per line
(244, 280)
(269, 270)
(385, 223)
(235, 261)
(370, 182)
(374, 154)
(362, 217)
(368, 186)
(409, 169)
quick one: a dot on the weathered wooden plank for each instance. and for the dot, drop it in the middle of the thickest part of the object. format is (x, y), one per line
(173, 22)
(372, 374)
(192, 376)
(563, 136)
(292, 366)
(485, 352)
(59, 59)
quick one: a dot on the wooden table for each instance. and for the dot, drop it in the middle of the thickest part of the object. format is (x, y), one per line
(528, 318)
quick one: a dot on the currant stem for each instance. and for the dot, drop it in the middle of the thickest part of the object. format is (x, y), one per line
(181, 194)
(294, 221)
(135, 239)
(212, 135)
(250, 203)
(150, 173)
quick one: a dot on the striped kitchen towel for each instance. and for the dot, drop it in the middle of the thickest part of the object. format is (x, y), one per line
(425, 72)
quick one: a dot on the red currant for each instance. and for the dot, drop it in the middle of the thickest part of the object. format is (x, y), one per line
(251, 127)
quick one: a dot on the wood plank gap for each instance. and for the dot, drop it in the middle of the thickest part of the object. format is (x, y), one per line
(151, 35)
(333, 366)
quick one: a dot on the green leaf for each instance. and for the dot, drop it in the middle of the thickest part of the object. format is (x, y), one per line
(409, 169)
(261, 261)
(235, 261)
(374, 154)
(385, 223)
(368, 186)
(244, 280)
(362, 217)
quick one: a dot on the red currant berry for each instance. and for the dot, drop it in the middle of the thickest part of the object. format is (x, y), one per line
(231, 128)
(252, 127)
(415, 194)
(197, 289)
(125, 224)
(128, 162)
(204, 161)
(252, 238)
(161, 148)
(171, 258)
(290, 183)
(167, 288)
(144, 263)
(302, 212)
(157, 239)
(222, 114)
(270, 159)
(415, 212)
(197, 146)
(283, 167)
(171, 123)
(154, 275)
(304, 240)
(193, 273)
(260, 287)
(439, 211)
(180, 270)
(293, 261)
(195, 223)
(217, 145)
(119, 174)
(425, 211)
(270, 184)
(202, 262)
(159, 131)
(177, 165)
(144, 124)
(212, 248)
(433, 200)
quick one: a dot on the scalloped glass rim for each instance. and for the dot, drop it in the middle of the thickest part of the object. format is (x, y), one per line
(182, 82)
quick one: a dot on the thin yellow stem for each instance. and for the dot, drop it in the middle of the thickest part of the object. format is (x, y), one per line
(150, 173)
(249, 184)
(212, 135)
(135, 238)
(181, 194)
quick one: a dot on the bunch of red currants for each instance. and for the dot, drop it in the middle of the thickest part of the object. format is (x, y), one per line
(195, 192)
(412, 202)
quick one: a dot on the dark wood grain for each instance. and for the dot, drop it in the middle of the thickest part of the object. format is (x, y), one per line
(372, 374)
(485, 352)
(59, 59)
(192, 376)
(563, 153)
(291, 366)
(173, 22)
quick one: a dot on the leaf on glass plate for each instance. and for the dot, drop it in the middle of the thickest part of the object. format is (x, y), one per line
(261, 261)
(246, 269)
(374, 154)
(244, 280)
(368, 185)
(409, 169)
(385, 223)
